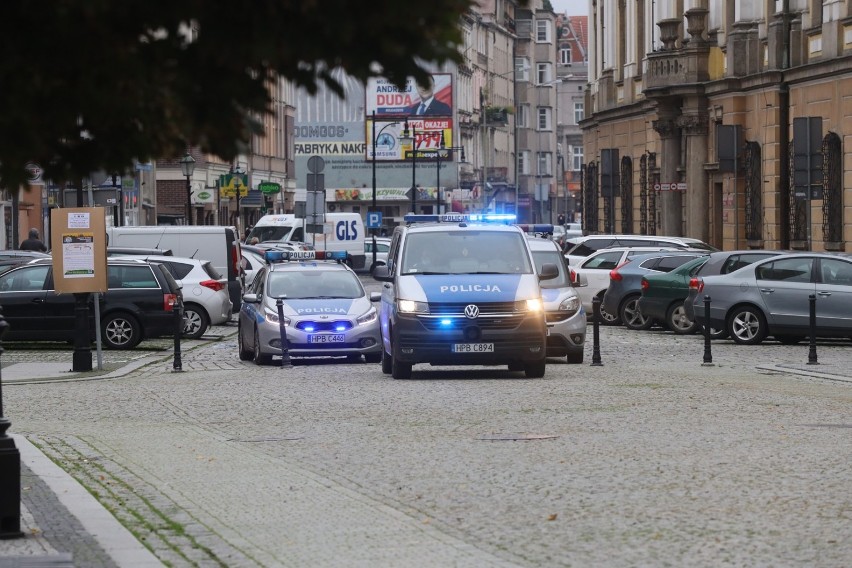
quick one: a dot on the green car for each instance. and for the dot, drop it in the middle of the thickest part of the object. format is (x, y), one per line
(663, 296)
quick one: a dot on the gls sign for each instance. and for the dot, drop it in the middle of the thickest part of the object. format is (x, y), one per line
(346, 230)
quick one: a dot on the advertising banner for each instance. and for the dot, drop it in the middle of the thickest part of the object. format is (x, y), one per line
(427, 135)
(387, 99)
(78, 247)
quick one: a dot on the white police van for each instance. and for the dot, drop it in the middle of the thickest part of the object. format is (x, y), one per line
(462, 290)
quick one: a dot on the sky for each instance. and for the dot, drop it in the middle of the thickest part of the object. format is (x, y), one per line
(571, 7)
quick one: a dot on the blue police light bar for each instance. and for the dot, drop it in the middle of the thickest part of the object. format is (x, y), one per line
(539, 228)
(460, 218)
(288, 255)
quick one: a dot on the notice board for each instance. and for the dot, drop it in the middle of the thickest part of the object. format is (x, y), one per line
(78, 246)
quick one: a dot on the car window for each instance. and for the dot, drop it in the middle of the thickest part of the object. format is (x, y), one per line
(835, 272)
(131, 277)
(695, 268)
(786, 270)
(259, 281)
(649, 263)
(544, 256)
(589, 246)
(633, 243)
(669, 263)
(211, 271)
(179, 270)
(172, 284)
(737, 261)
(381, 247)
(604, 261)
(298, 234)
(30, 279)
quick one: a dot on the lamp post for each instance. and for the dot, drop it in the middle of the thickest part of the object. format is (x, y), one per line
(238, 184)
(187, 167)
(405, 139)
(10, 469)
(375, 206)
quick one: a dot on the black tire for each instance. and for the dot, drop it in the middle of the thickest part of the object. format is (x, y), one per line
(387, 362)
(575, 357)
(373, 268)
(399, 370)
(372, 357)
(677, 320)
(195, 321)
(120, 330)
(245, 354)
(790, 339)
(260, 358)
(630, 315)
(747, 325)
(606, 317)
(535, 370)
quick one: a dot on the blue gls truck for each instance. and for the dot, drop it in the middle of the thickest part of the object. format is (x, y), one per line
(462, 290)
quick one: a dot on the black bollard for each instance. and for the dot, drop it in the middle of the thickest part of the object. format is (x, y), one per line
(812, 354)
(10, 469)
(708, 356)
(285, 351)
(596, 337)
(177, 366)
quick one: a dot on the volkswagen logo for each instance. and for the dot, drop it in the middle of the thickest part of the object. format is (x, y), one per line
(471, 311)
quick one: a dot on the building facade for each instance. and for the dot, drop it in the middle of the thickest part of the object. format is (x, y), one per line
(724, 120)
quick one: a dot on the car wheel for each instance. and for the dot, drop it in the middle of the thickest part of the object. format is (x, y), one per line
(575, 357)
(372, 357)
(374, 267)
(399, 370)
(677, 320)
(747, 326)
(387, 362)
(121, 331)
(606, 317)
(535, 370)
(245, 354)
(260, 358)
(631, 317)
(195, 321)
(790, 339)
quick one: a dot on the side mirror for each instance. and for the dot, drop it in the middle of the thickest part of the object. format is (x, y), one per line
(375, 296)
(382, 274)
(250, 299)
(549, 271)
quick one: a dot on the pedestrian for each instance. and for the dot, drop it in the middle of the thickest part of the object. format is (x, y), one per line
(33, 242)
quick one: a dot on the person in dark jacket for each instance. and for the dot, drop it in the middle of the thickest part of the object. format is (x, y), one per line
(33, 242)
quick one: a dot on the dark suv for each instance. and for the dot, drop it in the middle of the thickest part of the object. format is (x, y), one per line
(138, 304)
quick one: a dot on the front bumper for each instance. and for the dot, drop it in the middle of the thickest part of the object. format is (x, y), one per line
(565, 334)
(359, 340)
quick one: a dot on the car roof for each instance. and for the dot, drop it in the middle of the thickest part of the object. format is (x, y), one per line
(302, 265)
(540, 244)
(461, 226)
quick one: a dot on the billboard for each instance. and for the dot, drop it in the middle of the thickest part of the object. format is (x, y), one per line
(386, 99)
(427, 134)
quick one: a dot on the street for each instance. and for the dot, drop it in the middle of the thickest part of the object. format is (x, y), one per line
(648, 460)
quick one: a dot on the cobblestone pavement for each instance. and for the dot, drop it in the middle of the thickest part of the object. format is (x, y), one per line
(651, 459)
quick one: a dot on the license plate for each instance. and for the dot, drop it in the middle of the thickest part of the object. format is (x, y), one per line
(337, 338)
(473, 348)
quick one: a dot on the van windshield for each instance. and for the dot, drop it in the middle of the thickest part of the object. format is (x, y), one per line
(270, 233)
(466, 252)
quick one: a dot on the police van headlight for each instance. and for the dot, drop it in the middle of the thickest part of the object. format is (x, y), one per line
(368, 317)
(534, 305)
(412, 307)
(570, 305)
(272, 316)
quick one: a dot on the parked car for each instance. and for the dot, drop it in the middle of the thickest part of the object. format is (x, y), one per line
(771, 298)
(563, 311)
(578, 248)
(572, 230)
(22, 255)
(206, 300)
(250, 264)
(137, 305)
(625, 285)
(595, 272)
(138, 251)
(559, 235)
(382, 249)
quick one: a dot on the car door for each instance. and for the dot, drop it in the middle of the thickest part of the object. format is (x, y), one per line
(834, 296)
(784, 286)
(22, 296)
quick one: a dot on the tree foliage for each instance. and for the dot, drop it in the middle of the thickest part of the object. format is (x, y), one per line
(89, 85)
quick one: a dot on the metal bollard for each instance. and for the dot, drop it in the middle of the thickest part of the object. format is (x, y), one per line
(708, 356)
(177, 366)
(596, 338)
(285, 351)
(812, 353)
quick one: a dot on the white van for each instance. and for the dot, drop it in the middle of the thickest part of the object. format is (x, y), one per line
(341, 232)
(218, 244)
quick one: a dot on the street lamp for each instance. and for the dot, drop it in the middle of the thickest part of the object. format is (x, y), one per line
(238, 184)
(187, 166)
(405, 139)
(375, 206)
(438, 161)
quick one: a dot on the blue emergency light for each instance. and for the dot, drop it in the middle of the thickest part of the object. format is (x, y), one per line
(296, 255)
(461, 218)
(538, 228)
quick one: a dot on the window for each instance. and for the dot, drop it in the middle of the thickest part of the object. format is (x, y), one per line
(544, 118)
(543, 72)
(545, 164)
(131, 277)
(565, 55)
(576, 158)
(178, 269)
(671, 262)
(836, 272)
(524, 162)
(30, 279)
(787, 270)
(604, 261)
(579, 112)
(542, 31)
(522, 69)
(522, 120)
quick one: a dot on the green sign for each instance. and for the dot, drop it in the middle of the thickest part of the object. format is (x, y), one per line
(230, 184)
(269, 188)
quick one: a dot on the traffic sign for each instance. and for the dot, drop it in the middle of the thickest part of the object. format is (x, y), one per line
(665, 187)
(681, 186)
(374, 219)
(657, 187)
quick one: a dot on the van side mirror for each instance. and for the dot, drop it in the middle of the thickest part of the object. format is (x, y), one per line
(549, 271)
(382, 274)
(250, 298)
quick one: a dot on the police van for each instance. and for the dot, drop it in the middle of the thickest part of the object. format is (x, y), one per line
(462, 290)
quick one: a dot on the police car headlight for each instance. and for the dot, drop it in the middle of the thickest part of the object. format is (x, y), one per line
(412, 307)
(272, 316)
(370, 316)
(571, 305)
(534, 305)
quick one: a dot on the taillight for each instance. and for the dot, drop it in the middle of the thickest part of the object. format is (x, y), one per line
(214, 285)
(694, 284)
(614, 275)
(645, 284)
(573, 274)
(169, 301)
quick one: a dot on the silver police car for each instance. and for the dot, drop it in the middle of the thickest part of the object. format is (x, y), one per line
(326, 311)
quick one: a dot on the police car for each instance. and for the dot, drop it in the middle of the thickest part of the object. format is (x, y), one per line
(326, 310)
(463, 290)
(564, 313)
